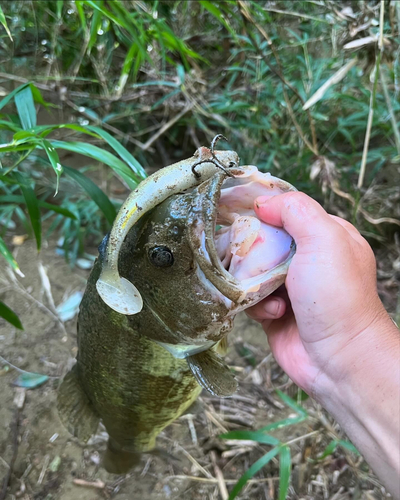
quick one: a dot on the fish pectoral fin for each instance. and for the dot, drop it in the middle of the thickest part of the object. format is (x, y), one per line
(212, 373)
(222, 346)
(74, 408)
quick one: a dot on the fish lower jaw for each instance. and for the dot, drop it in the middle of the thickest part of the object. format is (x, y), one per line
(182, 351)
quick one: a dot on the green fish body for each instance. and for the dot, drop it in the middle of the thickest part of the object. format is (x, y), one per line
(138, 372)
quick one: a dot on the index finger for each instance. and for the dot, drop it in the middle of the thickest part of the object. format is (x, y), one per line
(297, 213)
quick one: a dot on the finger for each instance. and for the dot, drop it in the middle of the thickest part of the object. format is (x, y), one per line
(300, 215)
(272, 307)
(352, 230)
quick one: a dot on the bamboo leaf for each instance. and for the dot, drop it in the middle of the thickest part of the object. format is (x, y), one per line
(336, 78)
(26, 108)
(5, 252)
(121, 150)
(54, 160)
(11, 95)
(10, 316)
(30, 380)
(13, 198)
(4, 23)
(102, 156)
(94, 192)
(251, 471)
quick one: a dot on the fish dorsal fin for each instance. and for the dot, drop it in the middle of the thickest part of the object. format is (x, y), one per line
(74, 408)
(212, 373)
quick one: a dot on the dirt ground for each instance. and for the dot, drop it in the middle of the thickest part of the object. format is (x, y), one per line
(50, 464)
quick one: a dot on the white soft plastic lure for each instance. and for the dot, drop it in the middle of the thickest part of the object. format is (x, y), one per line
(116, 291)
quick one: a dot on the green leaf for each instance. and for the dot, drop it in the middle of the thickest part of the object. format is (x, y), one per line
(94, 27)
(126, 68)
(11, 95)
(285, 469)
(4, 23)
(251, 471)
(121, 150)
(258, 436)
(214, 11)
(10, 316)
(13, 198)
(329, 449)
(94, 192)
(102, 156)
(37, 96)
(81, 13)
(26, 108)
(5, 252)
(54, 160)
(292, 404)
(30, 380)
(348, 446)
(32, 204)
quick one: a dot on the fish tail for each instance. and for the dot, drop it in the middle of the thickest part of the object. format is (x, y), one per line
(117, 460)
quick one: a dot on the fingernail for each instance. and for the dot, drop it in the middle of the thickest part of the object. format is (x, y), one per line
(272, 307)
(261, 200)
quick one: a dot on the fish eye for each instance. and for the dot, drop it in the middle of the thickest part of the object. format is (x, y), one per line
(161, 256)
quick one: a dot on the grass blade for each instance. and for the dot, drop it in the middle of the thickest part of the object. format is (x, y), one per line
(54, 160)
(285, 469)
(10, 316)
(32, 205)
(4, 23)
(258, 436)
(26, 108)
(292, 404)
(94, 192)
(5, 252)
(126, 69)
(102, 156)
(251, 471)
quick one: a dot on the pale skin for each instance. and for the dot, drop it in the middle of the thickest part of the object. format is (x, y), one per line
(330, 331)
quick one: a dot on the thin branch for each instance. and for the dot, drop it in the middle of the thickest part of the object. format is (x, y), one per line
(372, 100)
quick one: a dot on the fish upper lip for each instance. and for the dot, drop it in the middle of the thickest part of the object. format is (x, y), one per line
(201, 230)
(201, 225)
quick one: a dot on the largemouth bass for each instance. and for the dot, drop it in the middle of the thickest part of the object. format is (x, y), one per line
(185, 255)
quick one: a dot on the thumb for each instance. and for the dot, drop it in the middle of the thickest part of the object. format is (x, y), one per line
(300, 215)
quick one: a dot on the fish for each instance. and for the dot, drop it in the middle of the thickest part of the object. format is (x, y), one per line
(185, 255)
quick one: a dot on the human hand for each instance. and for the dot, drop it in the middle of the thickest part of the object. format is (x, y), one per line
(331, 312)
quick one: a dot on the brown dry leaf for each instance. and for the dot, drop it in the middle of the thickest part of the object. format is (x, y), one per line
(19, 239)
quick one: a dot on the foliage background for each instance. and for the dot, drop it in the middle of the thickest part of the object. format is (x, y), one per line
(98, 94)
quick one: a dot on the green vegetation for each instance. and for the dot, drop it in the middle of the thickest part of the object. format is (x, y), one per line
(308, 90)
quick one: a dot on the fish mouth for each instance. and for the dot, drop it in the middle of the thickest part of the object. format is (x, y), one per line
(239, 257)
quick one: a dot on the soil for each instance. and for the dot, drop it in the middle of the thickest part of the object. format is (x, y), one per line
(50, 464)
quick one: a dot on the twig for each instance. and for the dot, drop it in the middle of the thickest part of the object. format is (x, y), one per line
(220, 477)
(194, 461)
(227, 481)
(90, 484)
(167, 126)
(20, 289)
(44, 469)
(391, 111)
(372, 99)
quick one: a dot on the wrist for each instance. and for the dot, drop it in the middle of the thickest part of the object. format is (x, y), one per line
(364, 399)
(372, 354)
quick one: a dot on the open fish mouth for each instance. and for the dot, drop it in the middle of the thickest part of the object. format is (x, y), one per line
(242, 258)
